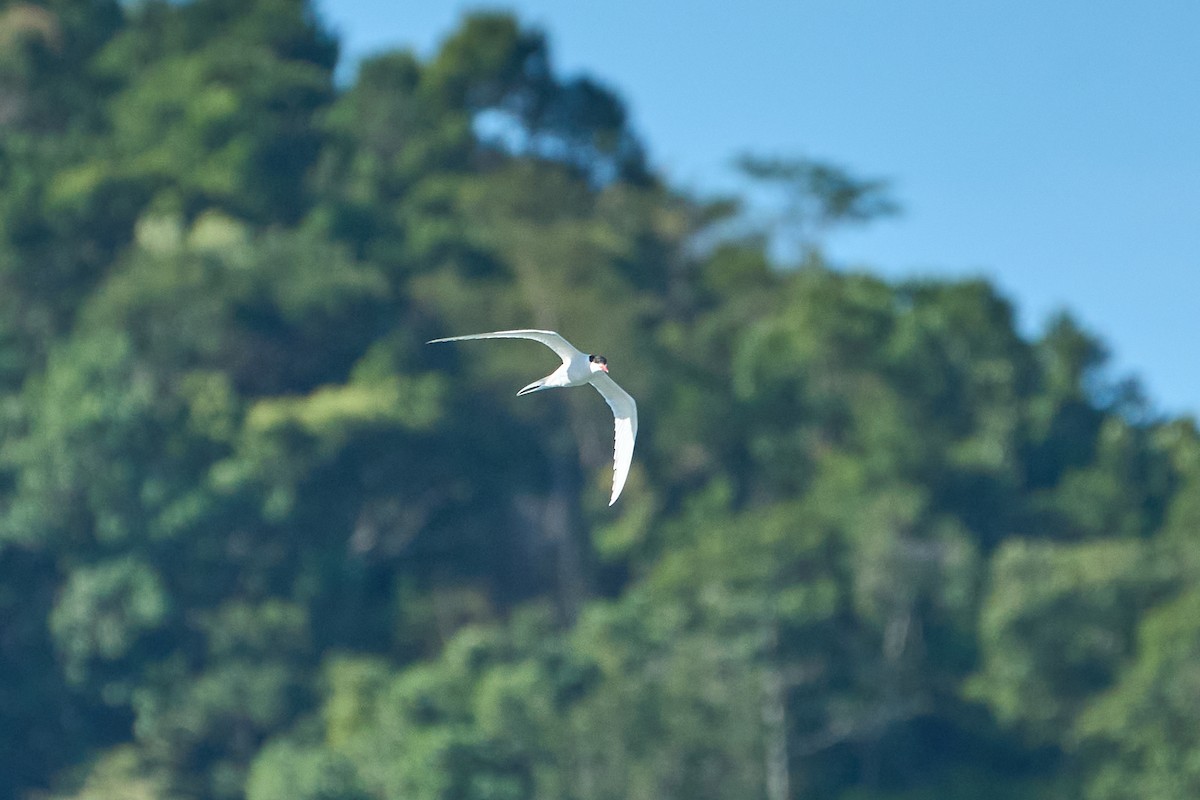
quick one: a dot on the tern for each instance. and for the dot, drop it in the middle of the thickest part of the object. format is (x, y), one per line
(578, 369)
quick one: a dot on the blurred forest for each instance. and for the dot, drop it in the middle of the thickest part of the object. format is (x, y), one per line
(257, 540)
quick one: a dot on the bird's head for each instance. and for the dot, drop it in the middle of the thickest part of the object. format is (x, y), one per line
(598, 363)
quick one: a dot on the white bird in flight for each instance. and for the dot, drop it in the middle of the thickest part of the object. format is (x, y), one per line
(578, 369)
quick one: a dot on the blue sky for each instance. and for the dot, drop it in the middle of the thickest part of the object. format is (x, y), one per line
(1051, 147)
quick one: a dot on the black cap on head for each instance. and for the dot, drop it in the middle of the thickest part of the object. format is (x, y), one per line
(598, 359)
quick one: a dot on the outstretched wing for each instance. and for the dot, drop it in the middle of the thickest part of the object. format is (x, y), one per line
(566, 351)
(625, 419)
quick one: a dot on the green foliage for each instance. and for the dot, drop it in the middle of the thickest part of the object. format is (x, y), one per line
(1057, 624)
(80, 423)
(288, 772)
(117, 774)
(1141, 731)
(103, 611)
(257, 540)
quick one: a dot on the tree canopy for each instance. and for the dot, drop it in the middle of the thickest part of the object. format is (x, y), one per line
(257, 541)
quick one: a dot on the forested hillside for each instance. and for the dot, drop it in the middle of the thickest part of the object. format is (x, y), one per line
(257, 540)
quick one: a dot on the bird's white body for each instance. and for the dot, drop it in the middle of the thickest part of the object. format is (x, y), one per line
(578, 369)
(571, 373)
